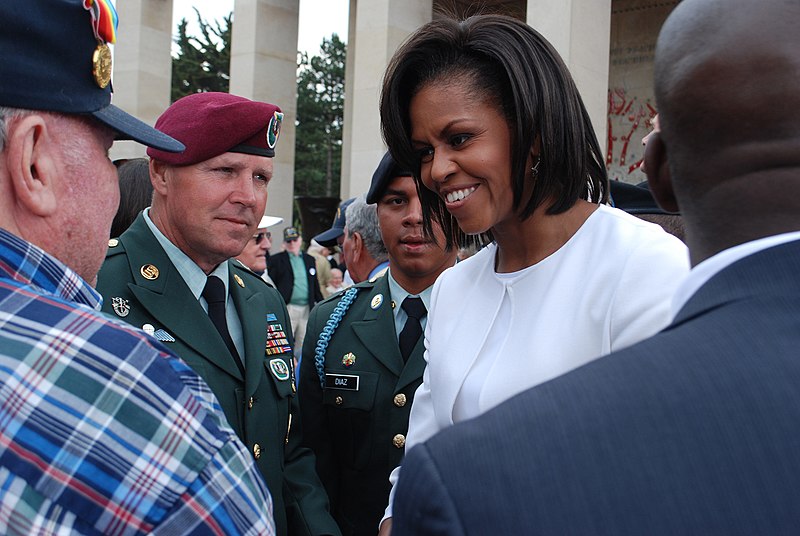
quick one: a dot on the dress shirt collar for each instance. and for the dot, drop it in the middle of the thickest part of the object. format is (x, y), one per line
(399, 294)
(378, 269)
(192, 274)
(703, 272)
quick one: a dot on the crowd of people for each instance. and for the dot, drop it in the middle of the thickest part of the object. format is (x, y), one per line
(492, 339)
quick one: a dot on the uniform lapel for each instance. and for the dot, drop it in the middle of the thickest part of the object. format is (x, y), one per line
(251, 308)
(415, 366)
(374, 329)
(169, 301)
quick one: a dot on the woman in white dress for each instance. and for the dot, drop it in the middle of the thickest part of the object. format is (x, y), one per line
(486, 113)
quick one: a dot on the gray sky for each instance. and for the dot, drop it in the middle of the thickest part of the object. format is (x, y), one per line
(318, 18)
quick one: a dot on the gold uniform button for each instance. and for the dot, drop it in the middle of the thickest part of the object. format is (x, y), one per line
(338, 400)
(250, 403)
(256, 451)
(399, 441)
(400, 400)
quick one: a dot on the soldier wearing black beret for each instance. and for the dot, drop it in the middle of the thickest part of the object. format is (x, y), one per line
(172, 274)
(357, 385)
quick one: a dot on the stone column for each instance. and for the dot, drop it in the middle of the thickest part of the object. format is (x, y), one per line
(581, 32)
(142, 65)
(347, 128)
(264, 68)
(381, 25)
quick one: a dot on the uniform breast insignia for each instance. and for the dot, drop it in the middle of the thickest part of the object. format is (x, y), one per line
(163, 336)
(277, 342)
(238, 280)
(271, 317)
(376, 301)
(349, 359)
(149, 272)
(279, 369)
(343, 382)
(120, 306)
(157, 334)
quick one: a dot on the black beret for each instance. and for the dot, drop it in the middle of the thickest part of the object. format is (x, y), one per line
(213, 123)
(55, 58)
(387, 170)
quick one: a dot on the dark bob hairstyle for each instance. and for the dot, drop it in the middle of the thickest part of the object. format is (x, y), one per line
(508, 63)
(135, 193)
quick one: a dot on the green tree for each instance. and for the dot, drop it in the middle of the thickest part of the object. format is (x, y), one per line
(320, 116)
(202, 63)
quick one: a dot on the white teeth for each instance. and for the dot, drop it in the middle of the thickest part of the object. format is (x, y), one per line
(458, 195)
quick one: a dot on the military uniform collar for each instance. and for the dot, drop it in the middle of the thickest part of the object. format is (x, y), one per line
(192, 274)
(399, 294)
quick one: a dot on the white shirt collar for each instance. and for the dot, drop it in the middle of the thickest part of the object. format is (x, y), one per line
(192, 274)
(703, 272)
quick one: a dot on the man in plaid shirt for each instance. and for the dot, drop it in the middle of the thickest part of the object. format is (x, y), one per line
(102, 430)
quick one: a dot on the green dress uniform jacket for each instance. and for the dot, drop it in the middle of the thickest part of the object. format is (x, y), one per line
(357, 424)
(140, 285)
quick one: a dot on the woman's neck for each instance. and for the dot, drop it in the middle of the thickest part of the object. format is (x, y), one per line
(521, 244)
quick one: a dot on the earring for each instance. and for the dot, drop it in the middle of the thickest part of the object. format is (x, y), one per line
(535, 168)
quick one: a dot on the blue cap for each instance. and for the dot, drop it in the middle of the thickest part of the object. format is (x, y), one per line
(52, 60)
(328, 238)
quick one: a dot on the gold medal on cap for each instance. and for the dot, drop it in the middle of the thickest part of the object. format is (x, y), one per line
(101, 65)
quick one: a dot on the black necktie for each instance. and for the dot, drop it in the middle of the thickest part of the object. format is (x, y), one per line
(413, 329)
(214, 293)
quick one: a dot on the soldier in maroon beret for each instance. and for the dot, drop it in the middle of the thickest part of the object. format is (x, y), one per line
(172, 274)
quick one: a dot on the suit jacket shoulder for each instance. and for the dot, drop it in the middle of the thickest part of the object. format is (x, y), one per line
(673, 433)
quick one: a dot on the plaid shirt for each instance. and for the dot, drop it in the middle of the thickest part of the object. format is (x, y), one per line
(101, 429)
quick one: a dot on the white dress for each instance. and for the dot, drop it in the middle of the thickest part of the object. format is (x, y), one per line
(491, 336)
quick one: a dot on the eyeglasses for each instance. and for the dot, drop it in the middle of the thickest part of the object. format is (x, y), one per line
(260, 236)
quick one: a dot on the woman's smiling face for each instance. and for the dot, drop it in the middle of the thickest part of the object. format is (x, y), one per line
(464, 144)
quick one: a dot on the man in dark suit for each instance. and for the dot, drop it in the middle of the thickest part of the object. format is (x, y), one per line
(695, 430)
(356, 383)
(170, 273)
(294, 273)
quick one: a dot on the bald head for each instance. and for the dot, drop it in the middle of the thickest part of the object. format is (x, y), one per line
(727, 84)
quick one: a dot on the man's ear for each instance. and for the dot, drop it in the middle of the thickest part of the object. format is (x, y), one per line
(658, 176)
(158, 176)
(32, 163)
(358, 246)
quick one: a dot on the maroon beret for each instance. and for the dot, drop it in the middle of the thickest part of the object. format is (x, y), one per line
(212, 123)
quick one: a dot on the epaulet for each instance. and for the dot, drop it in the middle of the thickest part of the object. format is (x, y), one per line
(115, 247)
